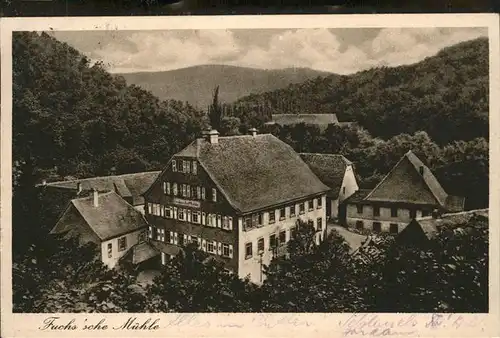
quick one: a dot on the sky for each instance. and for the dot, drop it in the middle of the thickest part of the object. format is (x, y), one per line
(336, 50)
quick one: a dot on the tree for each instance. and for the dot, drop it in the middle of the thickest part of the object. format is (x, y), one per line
(193, 282)
(215, 111)
(311, 278)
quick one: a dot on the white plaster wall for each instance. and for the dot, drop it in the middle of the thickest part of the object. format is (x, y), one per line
(385, 217)
(252, 266)
(132, 239)
(350, 184)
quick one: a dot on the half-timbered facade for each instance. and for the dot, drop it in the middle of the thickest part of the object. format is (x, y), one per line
(237, 197)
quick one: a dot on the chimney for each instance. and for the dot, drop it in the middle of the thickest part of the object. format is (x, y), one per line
(213, 136)
(421, 170)
(96, 197)
(253, 131)
(78, 187)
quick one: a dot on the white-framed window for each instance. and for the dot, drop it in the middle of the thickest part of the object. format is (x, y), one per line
(150, 232)
(310, 205)
(198, 192)
(122, 243)
(180, 215)
(187, 165)
(225, 250)
(110, 250)
(282, 214)
(203, 195)
(219, 221)
(214, 194)
(168, 212)
(203, 218)
(195, 167)
(174, 189)
(211, 246)
(302, 208)
(292, 210)
(225, 223)
(320, 203)
(174, 166)
(196, 217)
(248, 250)
(260, 245)
(164, 187)
(230, 220)
(188, 191)
(272, 216)
(168, 188)
(150, 208)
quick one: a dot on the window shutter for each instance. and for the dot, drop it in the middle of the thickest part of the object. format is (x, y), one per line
(203, 220)
(219, 249)
(189, 238)
(204, 245)
(219, 221)
(230, 251)
(188, 216)
(230, 223)
(175, 238)
(171, 237)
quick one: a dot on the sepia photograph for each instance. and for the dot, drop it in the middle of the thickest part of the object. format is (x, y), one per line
(251, 170)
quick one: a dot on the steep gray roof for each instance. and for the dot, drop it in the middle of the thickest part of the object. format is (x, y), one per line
(255, 172)
(405, 184)
(111, 218)
(127, 185)
(330, 169)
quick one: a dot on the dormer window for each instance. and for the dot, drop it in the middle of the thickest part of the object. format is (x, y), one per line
(174, 166)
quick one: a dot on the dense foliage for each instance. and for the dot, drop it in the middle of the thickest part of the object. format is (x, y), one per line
(445, 95)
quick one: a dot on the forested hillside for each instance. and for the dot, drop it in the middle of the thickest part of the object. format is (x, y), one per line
(445, 95)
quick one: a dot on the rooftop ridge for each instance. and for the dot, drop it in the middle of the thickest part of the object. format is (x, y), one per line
(100, 177)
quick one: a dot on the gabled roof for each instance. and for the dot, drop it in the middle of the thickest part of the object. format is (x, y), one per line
(141, 252)
(111, 218)
(330, 169)
(405, 184)
(127, 185)
(321, 119)
(255, 172)
(430, 225)
(358, 196)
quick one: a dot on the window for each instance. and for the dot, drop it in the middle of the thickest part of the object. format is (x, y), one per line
(122, 243)
(283, 237)
(188, 191)
(219, 221)
(198, 192)
(168, 212)
(343, 190)
(174, 166)
(164, 187)
(248, 250)
(394, 212)
(377, 227)
(225, 250)
(282, 214)
(425, 213)
(202, 193)
(292, 232)
(359, 225)
(413, 213)
(195, 167)
(214, 194)
(150, 232)
(168, 188)
(187, 167)
(393, 228)
(260, 245)
(174, 189)
(180, 238)
(320, 203)
(272, 216)
(196, 217)
(310, 205)
(166, 236)
(142, 236)
(319, 221)
(272, 241)
(194, 239)
(310, 223)
(360, 209)
(110, 250)
(210, 247)
(248, 222)
(376, 211)
(292, 211)
(180, 214)
(226, 223)
(302, 208)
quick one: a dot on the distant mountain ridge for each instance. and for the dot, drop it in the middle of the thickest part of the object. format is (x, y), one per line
(195, 84)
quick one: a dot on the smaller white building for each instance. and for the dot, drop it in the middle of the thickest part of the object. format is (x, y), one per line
(337, 172)
(105, 219)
